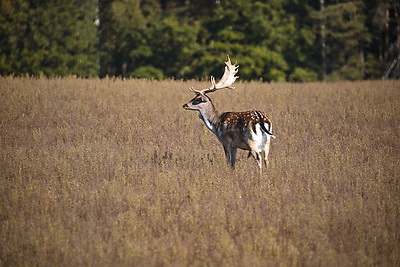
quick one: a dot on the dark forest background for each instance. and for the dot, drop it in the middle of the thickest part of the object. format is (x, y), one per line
(277, 40)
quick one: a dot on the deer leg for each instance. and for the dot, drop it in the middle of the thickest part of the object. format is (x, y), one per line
(228, 154)
(259, 161)
(266, 152)
(233, 156)
(256, 155)
(252, 154)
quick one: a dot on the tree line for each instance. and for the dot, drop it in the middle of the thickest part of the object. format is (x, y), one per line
(285, 40)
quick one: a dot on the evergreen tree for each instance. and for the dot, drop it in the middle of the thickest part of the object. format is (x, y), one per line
(123, 34)
(141, 39)
(346, 36)
(14, 27)
(383, 22)
(49, 38)
(287, 40)
(262, 35)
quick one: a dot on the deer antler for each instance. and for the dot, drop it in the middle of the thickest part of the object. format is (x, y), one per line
(228, 78)
(194, 90)
(226, 81)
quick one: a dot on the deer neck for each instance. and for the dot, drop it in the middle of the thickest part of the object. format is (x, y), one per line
(211, 117)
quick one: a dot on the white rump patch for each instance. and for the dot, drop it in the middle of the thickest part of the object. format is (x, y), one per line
(259, 137)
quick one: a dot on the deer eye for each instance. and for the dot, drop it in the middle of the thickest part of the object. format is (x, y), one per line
(197, 101)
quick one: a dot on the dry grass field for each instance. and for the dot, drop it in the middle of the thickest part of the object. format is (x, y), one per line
(117, 173)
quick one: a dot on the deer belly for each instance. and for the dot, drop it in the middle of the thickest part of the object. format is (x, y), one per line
(238, 139)
(240, 144)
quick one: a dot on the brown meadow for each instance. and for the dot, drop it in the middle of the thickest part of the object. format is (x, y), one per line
(115, 172)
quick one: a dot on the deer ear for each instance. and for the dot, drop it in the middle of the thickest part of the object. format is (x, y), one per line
(206, 98)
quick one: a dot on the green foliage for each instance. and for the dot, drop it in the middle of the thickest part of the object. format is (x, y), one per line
(148, 72)
(14, 19)
(303, 75)
(173, 43)
(124, 35)
(275, 40)
(275, 75)
(54, 39)
(346, 35)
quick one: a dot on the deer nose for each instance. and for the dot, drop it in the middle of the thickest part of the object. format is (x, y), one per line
(185, 105)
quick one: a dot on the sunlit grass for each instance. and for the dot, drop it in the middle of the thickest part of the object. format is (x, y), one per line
(113, 172)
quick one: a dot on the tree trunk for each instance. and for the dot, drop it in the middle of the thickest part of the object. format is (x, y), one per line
(387, 40)
(396, 16)
(323, 42)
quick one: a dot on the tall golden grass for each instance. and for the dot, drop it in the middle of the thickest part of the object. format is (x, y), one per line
(115, 172)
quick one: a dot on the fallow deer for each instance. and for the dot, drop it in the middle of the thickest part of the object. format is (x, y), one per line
(248, 130)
